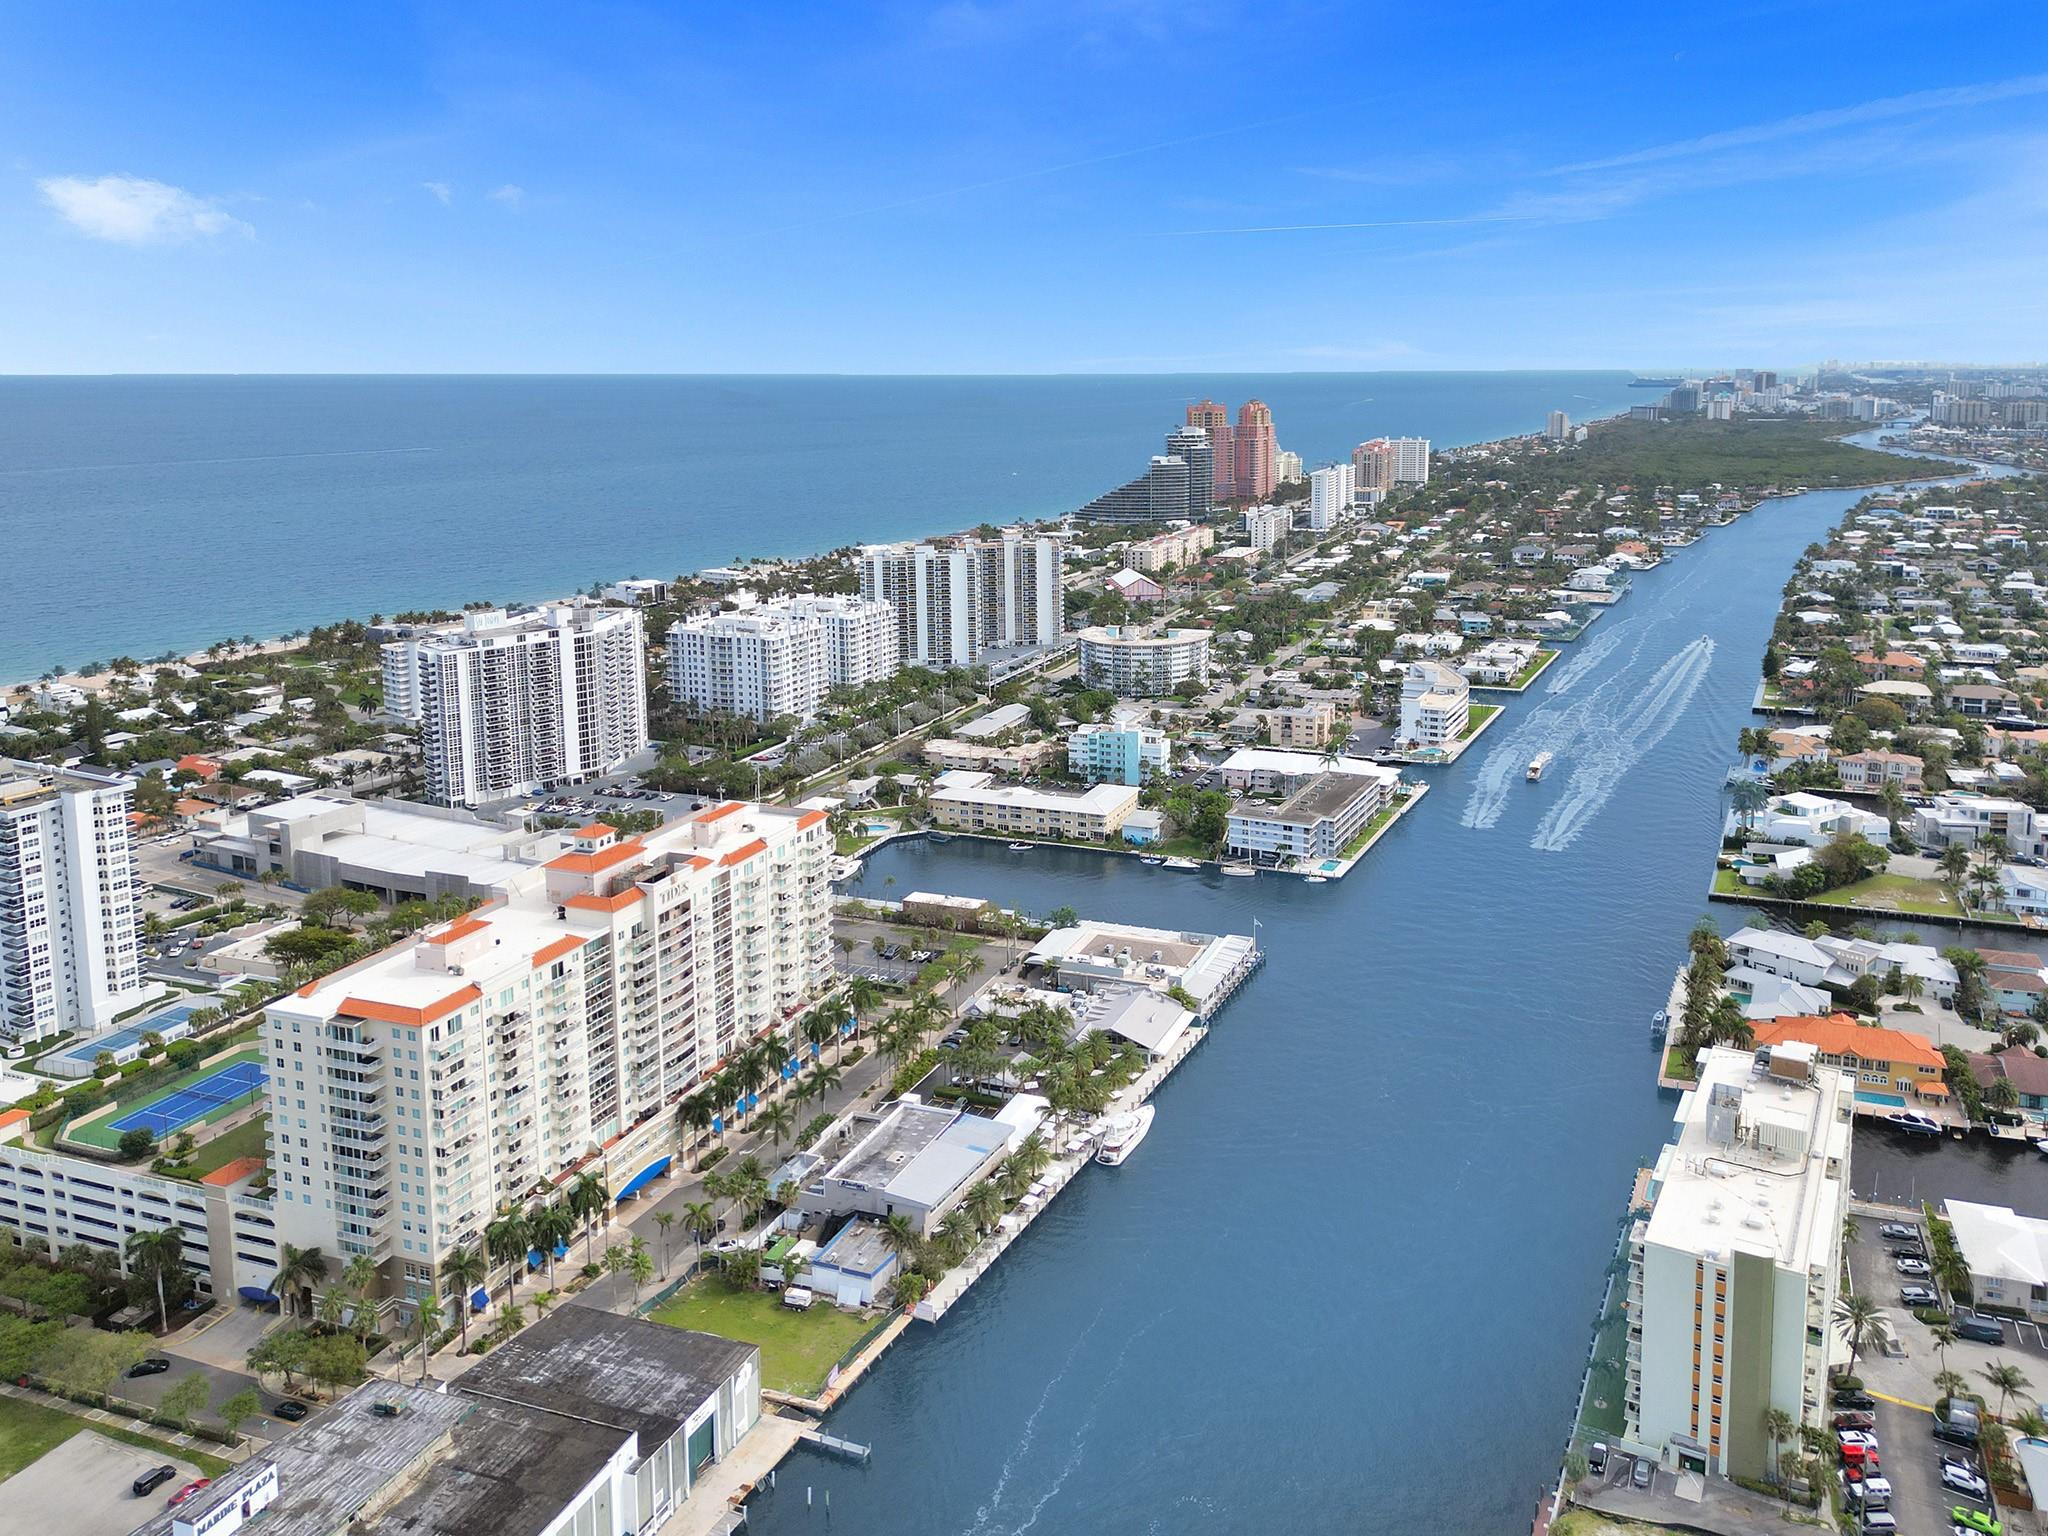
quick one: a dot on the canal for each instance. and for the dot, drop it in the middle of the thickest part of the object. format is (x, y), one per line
(1349, 1281)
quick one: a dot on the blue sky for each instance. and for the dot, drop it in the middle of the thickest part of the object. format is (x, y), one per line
(1003, 185)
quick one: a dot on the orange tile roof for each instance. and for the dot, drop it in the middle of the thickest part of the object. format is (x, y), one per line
(744, 852)
(556, 950)
(596, 829)
(461, 929)
(12, 1117)
(718, 811)
(617, 903)
(1839, 1035)
(205, 767)
(598, 862)
(809, 819)
(232, 1173)
(190, 807)
(393, 1013)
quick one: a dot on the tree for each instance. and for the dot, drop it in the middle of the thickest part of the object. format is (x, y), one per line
(778, 1121)
(587, 1198)
(1063, 917)
(359, 1279)
(233, 1413)
(639, 1265)
(84, 1362)
(664, 1220)
(282, 1351)
(1856, 1315)
(297, 1269)
(696, 1113)
(508, 1239)
(1780, 1426)
(157, 1260)
(426, 1322)
(2008, 1379)
(552, 1227)
(463, 1270)
(137, 1144)
(701, 1219)
(186, 1399)
(336, 1360)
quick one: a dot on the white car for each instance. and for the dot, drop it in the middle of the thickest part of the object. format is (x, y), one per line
(1964, 1480)
(1914, 1267)
(1871, 1493)
(1862, 1437)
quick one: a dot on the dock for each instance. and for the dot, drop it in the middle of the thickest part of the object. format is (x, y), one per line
(817, 1439)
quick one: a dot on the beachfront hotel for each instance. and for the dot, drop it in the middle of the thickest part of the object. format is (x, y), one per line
(956, 598)
(514, 704)
(415, 1094)
(1732, 1276)
(781, 658)
(70, 912)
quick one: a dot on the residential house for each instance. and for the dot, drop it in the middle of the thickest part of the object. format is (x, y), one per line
(1870, 771)
(1816, 820)
(1892, 1067)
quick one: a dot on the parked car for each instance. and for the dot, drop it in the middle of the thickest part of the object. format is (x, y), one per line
(1963, 1480)
(1861, 1458)
(1981, 1327)
(1907, 1251)
(153, 1479)
(1854, 1397)
(1917, 1268)
(1862, 1437)
(1596, 1458)
(1879, 1522)
(290, 1411)
(1856, 1418)
(186, 1492)
(1870, 1493)
(1919, 1296)
(154, 1365)
(1975, 1520)
(1645, 1469)
(1898, 1229)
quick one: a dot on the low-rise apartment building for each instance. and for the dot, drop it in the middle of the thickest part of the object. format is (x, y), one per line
(1173, 549)
(1733, 1275)
(1435, 706)
(1316, 822)
(1124, 749)
(972, 802)
(979, 756)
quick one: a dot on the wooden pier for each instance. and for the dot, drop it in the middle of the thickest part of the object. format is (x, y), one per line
(819, 1440)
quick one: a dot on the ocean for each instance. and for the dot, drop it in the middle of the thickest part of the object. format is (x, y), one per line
(145, 515)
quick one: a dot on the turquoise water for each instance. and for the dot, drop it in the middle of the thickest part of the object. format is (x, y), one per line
(151, 514)
(1349, 1282)
(1872, 1096)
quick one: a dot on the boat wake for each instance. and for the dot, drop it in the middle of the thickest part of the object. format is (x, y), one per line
(1610, 748)
(1599, 735)
(1585, 659)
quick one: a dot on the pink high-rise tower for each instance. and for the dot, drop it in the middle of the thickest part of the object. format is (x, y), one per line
(1256, 451)
(1214, 419)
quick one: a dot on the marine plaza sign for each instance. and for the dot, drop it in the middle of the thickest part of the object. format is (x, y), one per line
(225, 1515)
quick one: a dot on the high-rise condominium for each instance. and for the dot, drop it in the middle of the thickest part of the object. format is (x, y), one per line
(70, 918)
(416, 1094)
(1213, 420)
(1372, 466)
(1256, 452)
(1411, 460)
(1330, 493)
(1191, 446)
(780, 658)
(512, 705)
(957, 598)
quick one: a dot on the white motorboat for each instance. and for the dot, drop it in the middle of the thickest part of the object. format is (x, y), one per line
(1316, 880)
(1178, 863)
(1537, 764)
(1019, 847)
(1120, 1137)
(1239, 869)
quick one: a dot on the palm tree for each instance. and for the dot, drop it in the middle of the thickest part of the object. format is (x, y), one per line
(1943, 1335)
(639, 1266)
(507, 1240)
(426, 1322)
(702, 1220)
(157, 1254)
(464, 1269)
(778, 1121)
(2008, 1379)
(823, 1078)
(825, 1022)
(552, 1227)
(1748, 796)
(1948, 1383)
(664, 1220)
(360, 1276)
(1780, 1426)
(695, 1114)
(1856, 1314)
(956, 1234)
(863, 997)
(587, 1197)
(984, 1203)
(297, 1268)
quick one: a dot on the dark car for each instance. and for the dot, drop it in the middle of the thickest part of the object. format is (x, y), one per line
(1919, 1296)
(155, 1365)
(1855, 1418)
(1645, 1469)
(1854, 1397)
(1980, 1328)
(291, 1412)
(153, 1479)
(1596, 1459)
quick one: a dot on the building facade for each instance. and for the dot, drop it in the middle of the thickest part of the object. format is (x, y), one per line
(1267, 526)
(515, 705)
(1213, 420)
(70, 910)
(972, 802)
(1317, 822)
(417, 1093)
(1124, 749)
(1138, 663)
(957, 598)
(1257, 453)
(1435, 705)
(781, 658)
(1411, 460)
(1330, 493)
(1733, 1275)
(1177, 547)
(1372, 466)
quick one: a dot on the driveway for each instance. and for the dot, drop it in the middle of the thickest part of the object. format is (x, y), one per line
(83, 1488)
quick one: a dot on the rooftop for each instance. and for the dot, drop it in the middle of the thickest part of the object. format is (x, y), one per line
(511, 1469)
(1996, 1241)
(1320, 799)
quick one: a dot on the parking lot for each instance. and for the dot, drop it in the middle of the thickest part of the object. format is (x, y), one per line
(1901, 1378)
(84, 1488)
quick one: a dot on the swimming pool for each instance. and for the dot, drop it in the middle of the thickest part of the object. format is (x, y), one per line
(1873, 1096)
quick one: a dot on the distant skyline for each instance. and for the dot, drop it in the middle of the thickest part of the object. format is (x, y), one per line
(1001, 186)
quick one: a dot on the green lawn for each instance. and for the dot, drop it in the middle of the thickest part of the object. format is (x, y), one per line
(1476, 717)
(29, 1430)
(1728, 883)
(243, 1141)
(1896, 893)
(797, 1348)
(1536, 665)
(1604, 1407)
(1678, 1064)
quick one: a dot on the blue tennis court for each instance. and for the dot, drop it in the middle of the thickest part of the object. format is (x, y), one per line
(194, 1100)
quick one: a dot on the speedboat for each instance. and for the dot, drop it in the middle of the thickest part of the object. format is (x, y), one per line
(1537, 764)
(1120, 1137)
(1019, 847)
(1152, 858)
(1239, 869)
(1317, 880)
(1919, 1125)
(1178, 863)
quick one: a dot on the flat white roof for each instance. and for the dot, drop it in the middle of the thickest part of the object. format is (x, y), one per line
(1998, 1241)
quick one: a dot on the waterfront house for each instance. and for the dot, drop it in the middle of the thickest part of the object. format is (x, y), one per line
(1969, 821)
(1982, 702)
(1913, 698)
(1891, 1067)
(1816, 820)
(1792, 747)
(2023, 890)
(1871, 770)
(2016, 979)
(2019, 1066)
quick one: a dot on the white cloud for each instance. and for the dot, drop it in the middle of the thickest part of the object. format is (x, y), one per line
(509, 194)
(441, 190)
(132, 210)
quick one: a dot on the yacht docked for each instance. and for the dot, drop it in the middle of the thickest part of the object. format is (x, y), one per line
(1120, 1137)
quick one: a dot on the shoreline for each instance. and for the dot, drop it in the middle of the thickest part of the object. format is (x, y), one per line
(279, 645)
